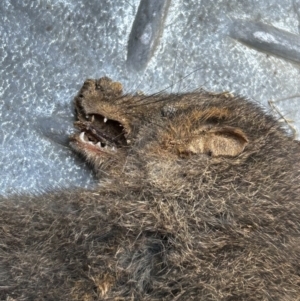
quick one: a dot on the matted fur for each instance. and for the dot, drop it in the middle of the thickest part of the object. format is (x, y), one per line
(200, 201)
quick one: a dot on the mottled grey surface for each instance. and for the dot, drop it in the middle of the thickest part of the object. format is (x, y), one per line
(50, 47)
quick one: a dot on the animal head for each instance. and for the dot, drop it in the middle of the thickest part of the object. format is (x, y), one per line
(172, 140)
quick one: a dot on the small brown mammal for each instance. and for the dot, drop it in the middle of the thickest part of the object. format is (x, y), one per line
(199, 199)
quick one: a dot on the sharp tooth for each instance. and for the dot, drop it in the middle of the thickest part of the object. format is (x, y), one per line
(90, 142)
(98, 144)
(113, 149)
(93, 118)
(105, 146)
(105, 119)
(81, 136)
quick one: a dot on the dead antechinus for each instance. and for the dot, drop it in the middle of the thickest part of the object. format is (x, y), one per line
(198, 199)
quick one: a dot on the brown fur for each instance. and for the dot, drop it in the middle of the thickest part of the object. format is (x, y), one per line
(198, 200)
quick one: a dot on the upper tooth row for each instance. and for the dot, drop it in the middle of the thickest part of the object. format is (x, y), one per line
(87, 117)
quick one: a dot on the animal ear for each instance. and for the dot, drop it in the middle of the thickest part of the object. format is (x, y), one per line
(225, 141)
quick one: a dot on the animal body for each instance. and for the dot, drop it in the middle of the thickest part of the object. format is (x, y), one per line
(198, 199)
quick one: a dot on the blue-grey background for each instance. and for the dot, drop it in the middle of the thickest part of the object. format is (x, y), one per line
(49, 47)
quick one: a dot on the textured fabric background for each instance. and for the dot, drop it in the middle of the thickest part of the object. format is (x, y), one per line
(49, 47)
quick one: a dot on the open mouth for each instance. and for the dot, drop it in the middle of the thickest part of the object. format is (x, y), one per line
(98, 133)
